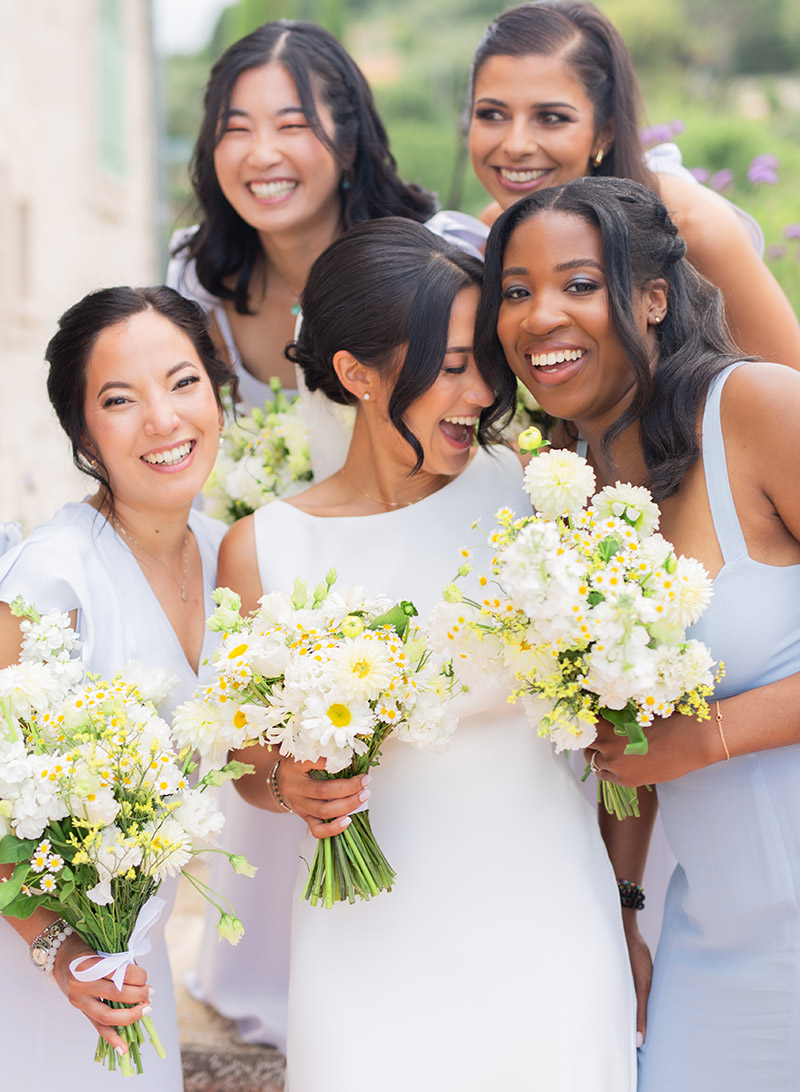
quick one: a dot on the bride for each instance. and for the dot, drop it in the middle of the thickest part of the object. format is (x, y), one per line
(498, 960)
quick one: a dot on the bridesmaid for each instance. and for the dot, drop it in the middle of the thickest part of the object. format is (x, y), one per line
(134, 379)
(554, 96)
(663, 398)
(290, 153)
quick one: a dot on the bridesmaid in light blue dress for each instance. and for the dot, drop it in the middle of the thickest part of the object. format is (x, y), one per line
(642, 368)
(135, 381)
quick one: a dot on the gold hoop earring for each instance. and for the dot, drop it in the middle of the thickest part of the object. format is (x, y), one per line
(598, 159)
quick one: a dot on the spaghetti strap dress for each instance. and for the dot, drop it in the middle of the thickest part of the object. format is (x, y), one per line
(724, 1009)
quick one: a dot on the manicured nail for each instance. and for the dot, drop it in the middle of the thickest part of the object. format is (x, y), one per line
(120, 1051)
(346, 822)
(147, 1010)
(365, 780)
(150, 991)
(365, 795)
(639, 1038)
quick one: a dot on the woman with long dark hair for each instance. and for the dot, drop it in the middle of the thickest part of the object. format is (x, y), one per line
(590, 300)
(554, 96)
(135, 380)
(291, 152)
(501, 941)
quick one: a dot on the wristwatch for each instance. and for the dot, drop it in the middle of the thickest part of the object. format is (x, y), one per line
(44, 948)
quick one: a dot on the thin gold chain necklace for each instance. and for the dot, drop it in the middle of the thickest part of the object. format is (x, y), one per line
(131, 538)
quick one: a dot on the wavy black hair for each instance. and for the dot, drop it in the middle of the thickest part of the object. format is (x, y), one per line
(384, 287)
(71, 346)
(225, 247)
(594, 51)
(639, 244)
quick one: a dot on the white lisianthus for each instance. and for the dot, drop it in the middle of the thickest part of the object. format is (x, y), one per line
(198, 814)
(154, 684)
(558, 482)
(230, 928)
(632, 503)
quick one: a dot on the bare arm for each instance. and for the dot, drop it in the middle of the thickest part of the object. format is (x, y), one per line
(88, 997)
(316, 801)
(627, 842)
(760, 316)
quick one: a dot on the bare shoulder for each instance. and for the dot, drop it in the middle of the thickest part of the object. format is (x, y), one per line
(761, 405)
(10, 637)
(237, 567)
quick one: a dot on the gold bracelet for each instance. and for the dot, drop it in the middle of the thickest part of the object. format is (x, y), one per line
(722, 734)
(276, 792)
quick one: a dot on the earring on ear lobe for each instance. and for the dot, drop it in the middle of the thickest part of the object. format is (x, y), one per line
(366, 396)
(598, 159)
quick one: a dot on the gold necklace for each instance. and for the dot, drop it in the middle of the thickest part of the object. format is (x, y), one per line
(182, 586)
(388, 503)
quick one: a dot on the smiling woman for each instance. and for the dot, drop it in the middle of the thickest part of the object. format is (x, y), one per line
(134, 379)
(396, 520)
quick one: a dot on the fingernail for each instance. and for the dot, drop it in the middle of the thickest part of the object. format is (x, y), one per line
(365, 795)
(639, 1038)
(120, 1051)
(346, 822)
(365, 780)
(147, 1010)
(150, 991)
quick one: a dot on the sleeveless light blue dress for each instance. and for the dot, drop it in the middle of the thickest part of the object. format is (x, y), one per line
(724, 1011)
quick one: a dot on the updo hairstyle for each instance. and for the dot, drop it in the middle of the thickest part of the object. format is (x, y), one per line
(384, 291)
(78, 330)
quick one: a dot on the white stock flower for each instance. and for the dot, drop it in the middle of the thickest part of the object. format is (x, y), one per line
(557, 482)
(430, 724)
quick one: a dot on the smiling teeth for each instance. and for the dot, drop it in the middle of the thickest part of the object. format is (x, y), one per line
(547, 360)
(522, 176)
(265, 190)
(468, 421)
(174, 455)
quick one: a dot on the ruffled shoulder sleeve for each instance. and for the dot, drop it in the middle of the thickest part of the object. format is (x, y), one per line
(48, 568)
(462, 230)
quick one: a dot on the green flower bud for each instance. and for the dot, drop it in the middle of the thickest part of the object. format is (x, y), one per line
(352, 626)
(230, 928)
(241, 865)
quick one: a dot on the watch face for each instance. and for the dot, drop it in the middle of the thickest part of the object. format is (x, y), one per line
(39, 956)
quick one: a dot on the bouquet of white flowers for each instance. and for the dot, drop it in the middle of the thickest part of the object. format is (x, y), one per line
(324, 675)
(589, 611)
(95, 807)
(264, 455)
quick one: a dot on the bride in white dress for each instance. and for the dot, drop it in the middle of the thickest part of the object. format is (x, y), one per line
(134, 380)
(498, 960)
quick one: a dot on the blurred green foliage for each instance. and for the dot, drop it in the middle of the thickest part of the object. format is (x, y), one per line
(729, 70)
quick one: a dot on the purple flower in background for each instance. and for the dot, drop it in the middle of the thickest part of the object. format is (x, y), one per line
(791, 231)
(662, 133)
(763, 169)
(721, 180)
(777, 250)
(702, 174)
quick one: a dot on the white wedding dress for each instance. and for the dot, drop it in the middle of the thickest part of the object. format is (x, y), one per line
(498, 960)
(76, 561)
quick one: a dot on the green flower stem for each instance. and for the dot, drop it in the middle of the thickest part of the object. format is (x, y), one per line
(154, 1036)
(347, 865)
(619, 800)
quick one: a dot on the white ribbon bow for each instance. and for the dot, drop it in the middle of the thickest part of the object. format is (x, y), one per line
(118, 962)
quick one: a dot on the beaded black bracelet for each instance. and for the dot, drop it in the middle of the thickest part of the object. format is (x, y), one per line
(631, 895)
